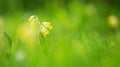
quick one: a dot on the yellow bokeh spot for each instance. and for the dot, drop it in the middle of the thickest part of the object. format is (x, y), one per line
(113, 21)
(27, 35)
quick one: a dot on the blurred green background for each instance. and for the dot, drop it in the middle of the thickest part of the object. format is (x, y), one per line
(86, 33)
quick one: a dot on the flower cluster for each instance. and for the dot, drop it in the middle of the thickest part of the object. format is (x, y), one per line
(43, 27)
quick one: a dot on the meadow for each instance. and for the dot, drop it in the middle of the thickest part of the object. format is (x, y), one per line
(83, 35)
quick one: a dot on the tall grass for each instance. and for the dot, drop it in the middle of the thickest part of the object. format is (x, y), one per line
(80, 37)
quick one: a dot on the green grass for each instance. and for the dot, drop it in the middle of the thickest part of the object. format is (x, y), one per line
(78, 39)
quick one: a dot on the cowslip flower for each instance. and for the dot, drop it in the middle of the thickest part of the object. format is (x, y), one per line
(34, 22)
(44, 31)
(43, 27)
(47, 25)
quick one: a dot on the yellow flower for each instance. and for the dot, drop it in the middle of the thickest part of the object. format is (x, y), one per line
(43, 27)
(32, 19)
(47, 25)
(44, 31)
(34, 22)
